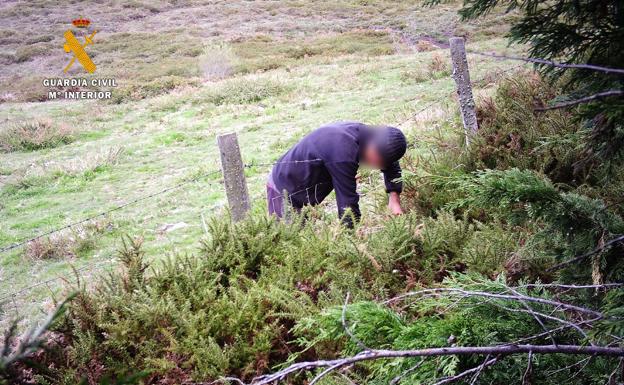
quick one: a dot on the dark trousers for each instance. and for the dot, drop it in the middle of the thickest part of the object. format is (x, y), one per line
(275, 201)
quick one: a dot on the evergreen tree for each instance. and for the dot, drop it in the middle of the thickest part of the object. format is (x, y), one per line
(575, 32)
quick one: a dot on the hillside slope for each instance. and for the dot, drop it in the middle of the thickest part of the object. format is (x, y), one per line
(270, 71)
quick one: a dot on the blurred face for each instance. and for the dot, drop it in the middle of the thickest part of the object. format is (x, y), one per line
(372, 158)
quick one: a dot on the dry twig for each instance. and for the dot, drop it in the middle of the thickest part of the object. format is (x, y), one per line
(501, 350)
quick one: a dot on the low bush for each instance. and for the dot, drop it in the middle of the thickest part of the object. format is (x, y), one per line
(33, 135)
(217, 62)
(242, 91)
(67, 245)
(138, 90)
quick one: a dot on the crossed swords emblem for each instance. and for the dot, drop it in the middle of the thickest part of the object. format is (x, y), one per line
(73, 45)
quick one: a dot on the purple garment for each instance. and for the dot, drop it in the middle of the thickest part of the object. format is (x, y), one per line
(275, 202)
(328, 159)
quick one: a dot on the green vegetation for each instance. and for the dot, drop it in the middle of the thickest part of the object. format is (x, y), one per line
(471, 321)
(260, 293)
(193, 297)
(591, 32)
(167, 111)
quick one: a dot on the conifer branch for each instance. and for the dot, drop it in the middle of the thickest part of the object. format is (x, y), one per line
(581, 257)
(398, 378)
(345, 326)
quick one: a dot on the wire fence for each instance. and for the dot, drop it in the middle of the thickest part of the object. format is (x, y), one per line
(24, 290)
(413, 115)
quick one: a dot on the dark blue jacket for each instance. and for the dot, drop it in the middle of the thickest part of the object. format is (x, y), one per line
(333, 154)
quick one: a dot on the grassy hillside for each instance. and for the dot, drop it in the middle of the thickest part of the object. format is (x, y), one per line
(271, 71)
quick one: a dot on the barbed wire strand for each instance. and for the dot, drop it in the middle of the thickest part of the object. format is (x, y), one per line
(23, 290)
(551, 63)
(106, 212)
(26, 289)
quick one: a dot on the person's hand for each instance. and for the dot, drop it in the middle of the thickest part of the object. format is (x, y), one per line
(394, 203)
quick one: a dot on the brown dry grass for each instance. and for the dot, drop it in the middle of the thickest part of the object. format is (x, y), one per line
(68, 244)
(140, 42)
(438, 66)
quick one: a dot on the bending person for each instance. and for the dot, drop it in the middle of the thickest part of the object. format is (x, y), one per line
(328, 159)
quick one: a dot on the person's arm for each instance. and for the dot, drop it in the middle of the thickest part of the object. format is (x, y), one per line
(343, 178)
(393, 188)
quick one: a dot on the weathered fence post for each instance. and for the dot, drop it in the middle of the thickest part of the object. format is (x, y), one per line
(233, 175)
(464, 89)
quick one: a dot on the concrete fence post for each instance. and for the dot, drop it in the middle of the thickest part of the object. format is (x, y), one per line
(461, 75)
(233, 175)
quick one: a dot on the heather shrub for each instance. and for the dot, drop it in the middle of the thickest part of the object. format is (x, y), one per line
(33, 135)
(241, 91)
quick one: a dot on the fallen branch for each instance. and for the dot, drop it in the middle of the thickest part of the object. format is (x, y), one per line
(530, 310)
(503, 350)
(549, 317)
(560, 328)
(586, 99)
